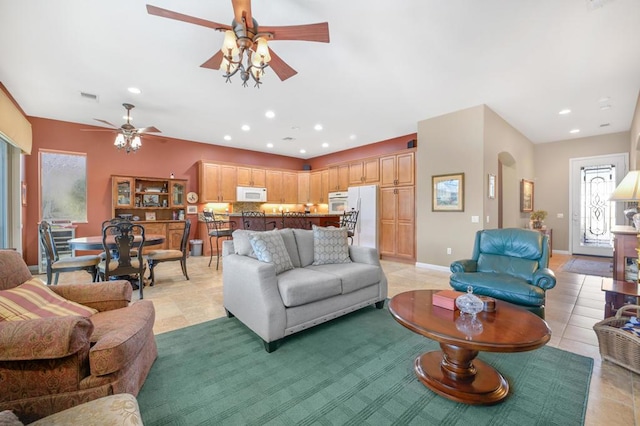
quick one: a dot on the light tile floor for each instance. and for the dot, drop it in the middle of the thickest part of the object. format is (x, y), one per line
(573, 306)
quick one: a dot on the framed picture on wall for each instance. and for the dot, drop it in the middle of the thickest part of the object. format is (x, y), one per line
(526, 195)
(491, 186)
(192, 209)
(448, 193)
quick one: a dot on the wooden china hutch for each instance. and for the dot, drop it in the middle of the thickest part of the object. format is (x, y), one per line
(157, 204)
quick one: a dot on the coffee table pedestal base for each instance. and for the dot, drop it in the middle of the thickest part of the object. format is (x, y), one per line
(454, 374)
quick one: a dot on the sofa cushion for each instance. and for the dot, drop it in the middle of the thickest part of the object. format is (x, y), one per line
(33, 299)
(519, 267)
(353, 276)
(291, 245)
(330, 246)
(269, 248)
(501, 286)
(119, 336)
(241, 243)
(301, 285)
(304, 240)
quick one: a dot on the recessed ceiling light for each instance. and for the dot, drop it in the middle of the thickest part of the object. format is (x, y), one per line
(353, 137)
(134, 90)
(130, 117)
(325, 145)
(245, 127)
(269, 145)
(303, 151)
(318, 127)
(269, 114)
(227, 137)
(574, 131)
(564, 111)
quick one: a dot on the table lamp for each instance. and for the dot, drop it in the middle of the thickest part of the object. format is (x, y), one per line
(629, 190)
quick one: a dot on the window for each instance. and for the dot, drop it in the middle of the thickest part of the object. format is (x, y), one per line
(63, 186)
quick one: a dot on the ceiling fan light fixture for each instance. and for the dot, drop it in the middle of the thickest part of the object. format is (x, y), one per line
(119, 142)
(262, 50)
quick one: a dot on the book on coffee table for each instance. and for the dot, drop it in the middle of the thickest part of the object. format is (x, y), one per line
(446, 299)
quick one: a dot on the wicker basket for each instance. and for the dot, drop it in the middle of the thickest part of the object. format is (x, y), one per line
(616, 345)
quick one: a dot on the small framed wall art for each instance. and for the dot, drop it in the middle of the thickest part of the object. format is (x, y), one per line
(149, 215)
(192, 209)
(491, 186)
(526, 196)
(448, 193)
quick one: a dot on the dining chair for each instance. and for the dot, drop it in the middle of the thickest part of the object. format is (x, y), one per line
(217, 229)
(57, 264)
(115, 220)
(348, 220)
(256, 221)
(124, 265)
(157, 256)
(298, 220)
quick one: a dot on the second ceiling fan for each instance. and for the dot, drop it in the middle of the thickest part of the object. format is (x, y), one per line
(245, 37)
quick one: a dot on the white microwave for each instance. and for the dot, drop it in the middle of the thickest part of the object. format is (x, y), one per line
(245, 193)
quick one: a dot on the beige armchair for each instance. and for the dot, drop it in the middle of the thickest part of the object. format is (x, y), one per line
(51, 364)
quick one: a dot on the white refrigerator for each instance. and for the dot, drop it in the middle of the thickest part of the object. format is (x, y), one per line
(365, 200)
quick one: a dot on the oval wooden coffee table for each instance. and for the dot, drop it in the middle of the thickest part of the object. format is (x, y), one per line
(454, 372)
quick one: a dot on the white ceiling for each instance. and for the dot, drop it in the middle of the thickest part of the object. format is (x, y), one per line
(389, 65)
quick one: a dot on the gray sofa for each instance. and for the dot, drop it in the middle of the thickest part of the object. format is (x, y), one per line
(277, 305)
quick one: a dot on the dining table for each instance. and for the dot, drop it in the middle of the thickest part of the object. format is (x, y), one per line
(95, 242)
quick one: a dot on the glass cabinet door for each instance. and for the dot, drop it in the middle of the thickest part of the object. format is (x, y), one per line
(177, 194)
(123, 192)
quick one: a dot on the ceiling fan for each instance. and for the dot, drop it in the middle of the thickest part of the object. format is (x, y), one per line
(250, 38)
(128, 135)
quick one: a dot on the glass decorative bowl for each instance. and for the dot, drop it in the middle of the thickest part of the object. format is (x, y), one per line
(469, 303)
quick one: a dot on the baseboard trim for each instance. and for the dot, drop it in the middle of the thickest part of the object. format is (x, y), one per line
(434, 267)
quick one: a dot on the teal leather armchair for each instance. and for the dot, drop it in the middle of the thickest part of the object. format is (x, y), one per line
(508, 264)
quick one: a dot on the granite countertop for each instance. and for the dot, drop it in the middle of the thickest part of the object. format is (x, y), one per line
(280, 214)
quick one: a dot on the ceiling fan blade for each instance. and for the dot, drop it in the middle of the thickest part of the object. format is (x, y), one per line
(158, 11)
(242, 9)
(280, 67)
(150, 129)
(99, 130)
(214, 62)
(107, 123)
(310, 32)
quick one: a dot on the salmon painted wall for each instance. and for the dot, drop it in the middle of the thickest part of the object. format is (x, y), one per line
(158, 157)
(371, 150)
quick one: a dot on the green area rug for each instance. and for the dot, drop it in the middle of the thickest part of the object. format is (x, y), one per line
(355, 370)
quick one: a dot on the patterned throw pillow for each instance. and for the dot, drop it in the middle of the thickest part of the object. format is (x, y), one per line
(269, 247)
(32, 300)
(330, 245)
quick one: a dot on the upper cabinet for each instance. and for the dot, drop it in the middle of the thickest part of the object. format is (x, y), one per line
(303, 188)
(339, 177)
(148, 198)
(319, 187)
(217, 182)
(122, 191)
(364, 172)
(178, 193)
(250, 176)
(397, 169)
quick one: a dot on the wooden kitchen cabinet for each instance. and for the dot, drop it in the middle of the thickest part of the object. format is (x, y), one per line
(290, 187)
(338, 177)
(397, 169)
(251, 176)
(216, 182)
(397, 222)
(304, 196)
(319, 186)
(365, 172)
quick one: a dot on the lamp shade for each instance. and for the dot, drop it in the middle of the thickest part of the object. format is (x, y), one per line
(628, 189)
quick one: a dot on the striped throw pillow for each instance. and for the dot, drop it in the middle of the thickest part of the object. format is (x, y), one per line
(32, 300)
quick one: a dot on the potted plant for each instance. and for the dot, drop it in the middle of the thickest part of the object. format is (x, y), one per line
(537, 217)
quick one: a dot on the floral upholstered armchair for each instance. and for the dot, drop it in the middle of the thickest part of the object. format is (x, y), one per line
(83, 342)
